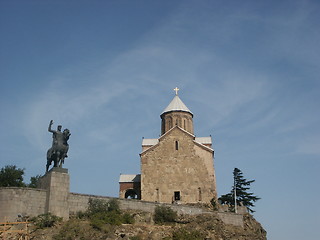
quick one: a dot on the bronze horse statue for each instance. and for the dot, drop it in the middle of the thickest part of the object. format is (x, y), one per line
(58, 152)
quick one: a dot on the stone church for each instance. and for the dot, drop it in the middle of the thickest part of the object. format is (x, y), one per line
(177, 167)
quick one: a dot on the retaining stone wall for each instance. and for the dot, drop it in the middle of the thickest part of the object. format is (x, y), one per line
(24, 201)
(32, 202)
(231, 218)
(79, 202)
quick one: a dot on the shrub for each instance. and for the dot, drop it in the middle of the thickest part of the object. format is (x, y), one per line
(183, 234)
(214, 204)
(113, 205)
(164, 214)
(96, 206)
(97, 223)
(81, 215)
(127, 218)
(99, 205)
(46, 220)
(101, 213)
(112, 218)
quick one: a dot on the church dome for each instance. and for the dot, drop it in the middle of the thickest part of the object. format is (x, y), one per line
(176, 105)
(176, 114)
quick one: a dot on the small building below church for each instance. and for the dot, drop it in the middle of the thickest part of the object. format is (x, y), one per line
(177, 167)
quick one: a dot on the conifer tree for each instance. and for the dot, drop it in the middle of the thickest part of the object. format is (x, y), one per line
(242, 195)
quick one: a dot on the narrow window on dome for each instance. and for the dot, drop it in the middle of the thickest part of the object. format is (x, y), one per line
(177, 145)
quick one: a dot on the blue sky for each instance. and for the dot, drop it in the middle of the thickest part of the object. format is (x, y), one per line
(248, 70)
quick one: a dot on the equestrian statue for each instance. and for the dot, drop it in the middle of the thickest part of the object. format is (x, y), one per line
(58, 152)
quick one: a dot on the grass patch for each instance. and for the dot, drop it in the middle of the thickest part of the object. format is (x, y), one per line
(183, 234)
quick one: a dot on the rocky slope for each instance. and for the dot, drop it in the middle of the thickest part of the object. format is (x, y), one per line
(187, 227)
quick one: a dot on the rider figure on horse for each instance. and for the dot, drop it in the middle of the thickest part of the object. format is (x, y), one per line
(60, 146)
(56, 135)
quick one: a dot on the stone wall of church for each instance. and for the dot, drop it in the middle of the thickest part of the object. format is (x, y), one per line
(177, 170)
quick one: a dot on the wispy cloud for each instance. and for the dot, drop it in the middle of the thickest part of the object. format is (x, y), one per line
(211, 70)
(309, 145)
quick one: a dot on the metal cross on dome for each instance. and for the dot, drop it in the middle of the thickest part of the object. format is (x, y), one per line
(176, 90)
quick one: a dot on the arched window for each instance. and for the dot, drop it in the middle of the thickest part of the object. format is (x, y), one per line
(131, 194)
(169, 123)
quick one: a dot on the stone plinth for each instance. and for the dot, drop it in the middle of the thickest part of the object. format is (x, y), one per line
(57, 184)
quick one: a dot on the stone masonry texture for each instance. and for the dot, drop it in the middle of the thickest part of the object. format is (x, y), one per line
(177, 164)
(21, 201)
(57, 184)
(32, 202)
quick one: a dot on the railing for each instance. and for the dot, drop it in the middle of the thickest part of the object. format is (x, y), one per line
(20, 229)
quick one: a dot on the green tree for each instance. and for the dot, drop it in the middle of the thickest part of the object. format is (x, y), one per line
(11, 176)
(34, 181)
(242, 195)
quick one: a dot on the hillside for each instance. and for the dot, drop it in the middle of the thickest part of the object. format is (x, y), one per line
(186, 227)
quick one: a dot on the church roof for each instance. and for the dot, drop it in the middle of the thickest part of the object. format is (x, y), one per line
(200, 141)
(204, 140)
(149, 141)
(176, 105)
(154, 141)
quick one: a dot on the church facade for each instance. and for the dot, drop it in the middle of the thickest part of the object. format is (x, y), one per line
(177, 167)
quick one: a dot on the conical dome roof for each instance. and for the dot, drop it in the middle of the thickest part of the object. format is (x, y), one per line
(176, 105)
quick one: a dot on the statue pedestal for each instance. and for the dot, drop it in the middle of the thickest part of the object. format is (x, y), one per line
(57, 184)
